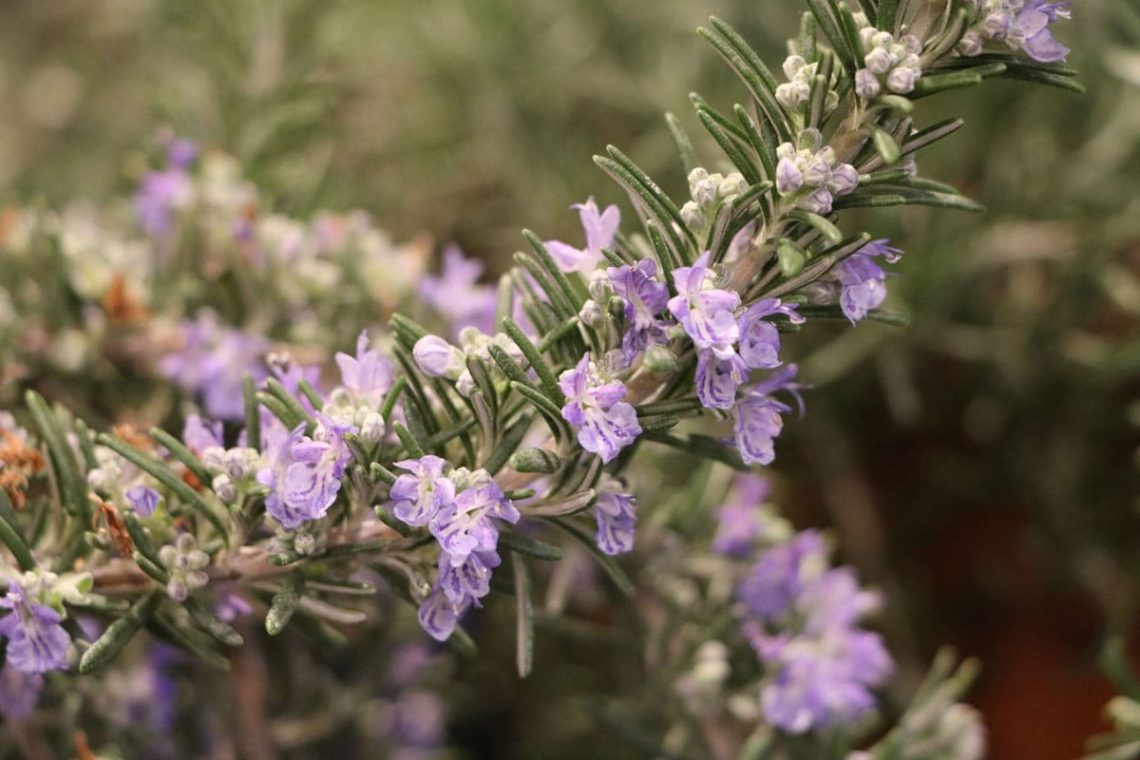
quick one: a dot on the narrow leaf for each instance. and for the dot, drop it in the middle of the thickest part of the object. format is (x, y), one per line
(285, 603)
(108, 646)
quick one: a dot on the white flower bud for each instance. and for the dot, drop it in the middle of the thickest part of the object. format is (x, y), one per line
(224, 488)
(733, 184)
(592, 314)
(695, 176)
(878, 61)
(866, 84)
(693, 216)
(792, 65)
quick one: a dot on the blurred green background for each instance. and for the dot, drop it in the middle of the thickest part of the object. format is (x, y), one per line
(980, 465)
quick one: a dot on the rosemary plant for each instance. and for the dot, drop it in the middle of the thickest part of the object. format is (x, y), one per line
(436, 460)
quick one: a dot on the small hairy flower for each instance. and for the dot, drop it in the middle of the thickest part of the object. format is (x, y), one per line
(185, 564)
(645, 298)
(19, 692)
(420, 494)
(456, 295)
(616, 514)
(600, 228)
(606, 424)
(37, 642)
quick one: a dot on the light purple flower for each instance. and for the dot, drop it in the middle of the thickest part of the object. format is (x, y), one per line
(600, 228)
(200, 434)
(707, 314)
(37, 642)
(758, 416)
(212, 362)
(368, 375)
(1030, 30)
(759, 338)
(467, 579)
(19, 692)
(823, 683)
(645, 297)
(616, 515)
(181, 152)
(717, 379)
(438, 616)
(455, 294)
(159, 195)
(419, 495)
(862, 281)
(143, 499)
(738, 522)
(313, 479)
(279, 456)
(605, 423)
(775, 582)
(467, 524)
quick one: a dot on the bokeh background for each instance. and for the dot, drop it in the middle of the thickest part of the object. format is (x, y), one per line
(980, 465)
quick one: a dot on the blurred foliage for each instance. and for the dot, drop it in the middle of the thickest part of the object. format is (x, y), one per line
(988, 474)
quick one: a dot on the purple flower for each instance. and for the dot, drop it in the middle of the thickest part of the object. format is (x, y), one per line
(200, 434)
(466, 525)
(600, 228)
(181, 152)
(438, 616)
(230, 605)
(759, 339)
(645, 297)
(369, 375)
(824, 683)
(605, 423)
(159, 195)
(803, 624)
(758, 416)
(718, 379)
(143, 499)
(616, 514)
(467, 579)
(708, 314)
(776, 581)
(419, 496)
(455, 294)
(212, 362)
(279, 457)
(862, 281)
(312, 479)
(37, 642)
(1030, 30)
(19, 692)
(739, 524)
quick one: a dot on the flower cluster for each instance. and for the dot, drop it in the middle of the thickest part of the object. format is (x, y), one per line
(795, 94)
(709, 192)
(1020, 24)
(212, 362)
(802, 619)
(185, 565)
(888, 63)
(809, 175)
(460, 509)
